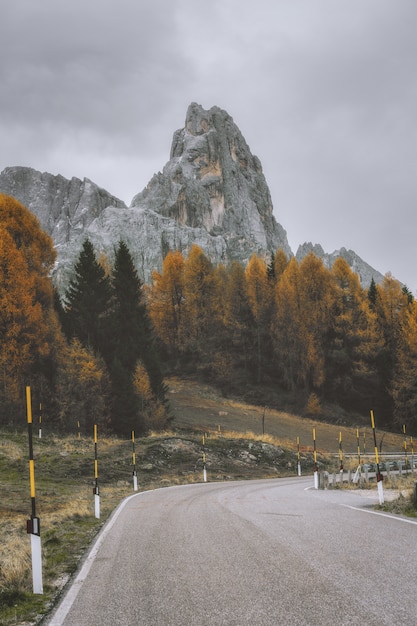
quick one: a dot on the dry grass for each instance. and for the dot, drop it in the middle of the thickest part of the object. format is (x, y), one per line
(201, 407)
(15, 561)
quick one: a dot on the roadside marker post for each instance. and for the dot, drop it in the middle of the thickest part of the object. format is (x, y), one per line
(135, 475)
(263, 420)
(316, 469)
(96, 489)
(40, 421)
(298, 457)
(204, 461)
(405, 446)
(357, 473)
(78, 429)
(359, 446)
(379, 477)
(33, 524)
(340, 453)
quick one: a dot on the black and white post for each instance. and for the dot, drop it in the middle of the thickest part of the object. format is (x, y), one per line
(340, 458)
(379, 477)
(204, 461)
(96, 489)
(298, 457)
(40, 421)
(33, 524)
(316, 469)
(135, 474)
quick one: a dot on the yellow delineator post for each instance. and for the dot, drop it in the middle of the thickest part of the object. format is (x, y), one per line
(356, 476)
(33, 525)
(359, 447)
(298, 457)
(405, 446)
(96, 489)
(316, 469)
(379, 477)
(135, 475)
(340, 452)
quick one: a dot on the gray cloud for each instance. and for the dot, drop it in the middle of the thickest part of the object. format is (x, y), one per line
(324, 92)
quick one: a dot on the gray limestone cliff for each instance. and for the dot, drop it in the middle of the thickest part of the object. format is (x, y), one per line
(365, 272)
(64, 207)
(211, 192)
(213, 181)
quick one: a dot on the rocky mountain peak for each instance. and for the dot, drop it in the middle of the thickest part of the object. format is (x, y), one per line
(212, 180)
(211, 192)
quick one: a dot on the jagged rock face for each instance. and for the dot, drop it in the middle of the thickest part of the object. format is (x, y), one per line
(213, 181)
(64, 207)
(212, 193)
(366, 272)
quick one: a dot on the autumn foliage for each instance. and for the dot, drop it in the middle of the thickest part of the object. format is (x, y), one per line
(300, 328)
(312, 334)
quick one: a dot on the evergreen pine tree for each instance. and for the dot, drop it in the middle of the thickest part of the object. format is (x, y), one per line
(87, 299)
(372, 294)
(130, 338)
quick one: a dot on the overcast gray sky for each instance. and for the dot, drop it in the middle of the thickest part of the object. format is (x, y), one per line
(324, 92)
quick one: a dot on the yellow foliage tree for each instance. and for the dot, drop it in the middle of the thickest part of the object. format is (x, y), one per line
(201, 311)
(28, 326)
(260, 294)
(166, 301)
(354, 344)
(154, 414)
(404, 383)
(83, 388)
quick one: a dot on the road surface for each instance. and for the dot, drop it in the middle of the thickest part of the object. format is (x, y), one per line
(255, 552)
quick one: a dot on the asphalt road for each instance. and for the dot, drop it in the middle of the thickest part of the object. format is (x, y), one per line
(257, 552)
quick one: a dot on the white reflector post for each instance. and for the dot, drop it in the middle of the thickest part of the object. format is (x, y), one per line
(380, 492)
(97, 505)
(36, 563)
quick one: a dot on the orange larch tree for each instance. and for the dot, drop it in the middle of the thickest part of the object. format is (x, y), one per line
(260, 296)
(166, 302)
(28, 325)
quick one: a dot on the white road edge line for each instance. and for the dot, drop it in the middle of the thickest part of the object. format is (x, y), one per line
(70, 596)
(398, 519)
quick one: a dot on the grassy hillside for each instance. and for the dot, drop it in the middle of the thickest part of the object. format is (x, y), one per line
(235, 448)
(202, 407)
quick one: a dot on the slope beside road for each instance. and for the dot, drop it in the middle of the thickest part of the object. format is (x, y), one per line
(257, 552)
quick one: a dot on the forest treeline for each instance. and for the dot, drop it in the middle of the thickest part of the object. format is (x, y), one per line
(311, 334)
(89, 357)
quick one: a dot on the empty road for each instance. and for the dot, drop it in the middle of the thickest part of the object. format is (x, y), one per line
(255, 552)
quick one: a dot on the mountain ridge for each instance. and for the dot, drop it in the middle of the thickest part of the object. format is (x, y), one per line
(211, 192)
